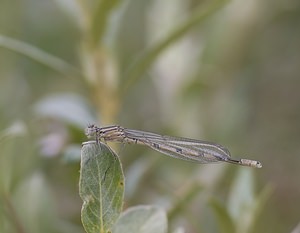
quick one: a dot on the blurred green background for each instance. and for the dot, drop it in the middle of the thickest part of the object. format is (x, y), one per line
(222, 71)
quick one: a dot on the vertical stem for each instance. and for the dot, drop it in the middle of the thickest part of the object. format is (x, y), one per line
(13, 214)
(102, 76)
(99, 66)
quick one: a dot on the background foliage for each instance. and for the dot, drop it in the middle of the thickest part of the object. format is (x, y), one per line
(224, 71)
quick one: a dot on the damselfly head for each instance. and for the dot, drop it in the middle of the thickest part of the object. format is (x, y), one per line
(90, 130)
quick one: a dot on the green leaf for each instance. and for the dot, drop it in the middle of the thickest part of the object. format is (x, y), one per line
(241, 195)
(142, 219)
(101, 187)
(39, 55)
(225, 222)
(259, 204)
(244, 205)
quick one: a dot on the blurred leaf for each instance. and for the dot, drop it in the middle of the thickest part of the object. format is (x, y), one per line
(297, 229)
(72, 153)
(194, 88)
(73, 9)
(225, 222)
(17, 157)
(71, 108)
(18, 128)
(35, 205)
(142, 219)
(259, 205)
(243, 205)
(179, 230)
(101, 17)
(101, 187)
(39, 55)
(242, 193)
(190, 193)
(136, 173)
(148, 57)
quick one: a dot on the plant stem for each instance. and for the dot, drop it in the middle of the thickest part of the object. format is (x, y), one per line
(13, 214)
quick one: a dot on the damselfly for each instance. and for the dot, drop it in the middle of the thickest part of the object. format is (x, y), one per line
(176, 147)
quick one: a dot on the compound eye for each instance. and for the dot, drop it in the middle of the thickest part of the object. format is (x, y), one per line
(91, 126)
(90, 131)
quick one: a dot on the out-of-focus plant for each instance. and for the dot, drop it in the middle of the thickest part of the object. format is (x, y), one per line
(27, 203)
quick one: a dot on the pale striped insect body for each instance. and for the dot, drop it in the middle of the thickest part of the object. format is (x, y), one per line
(181, 148)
